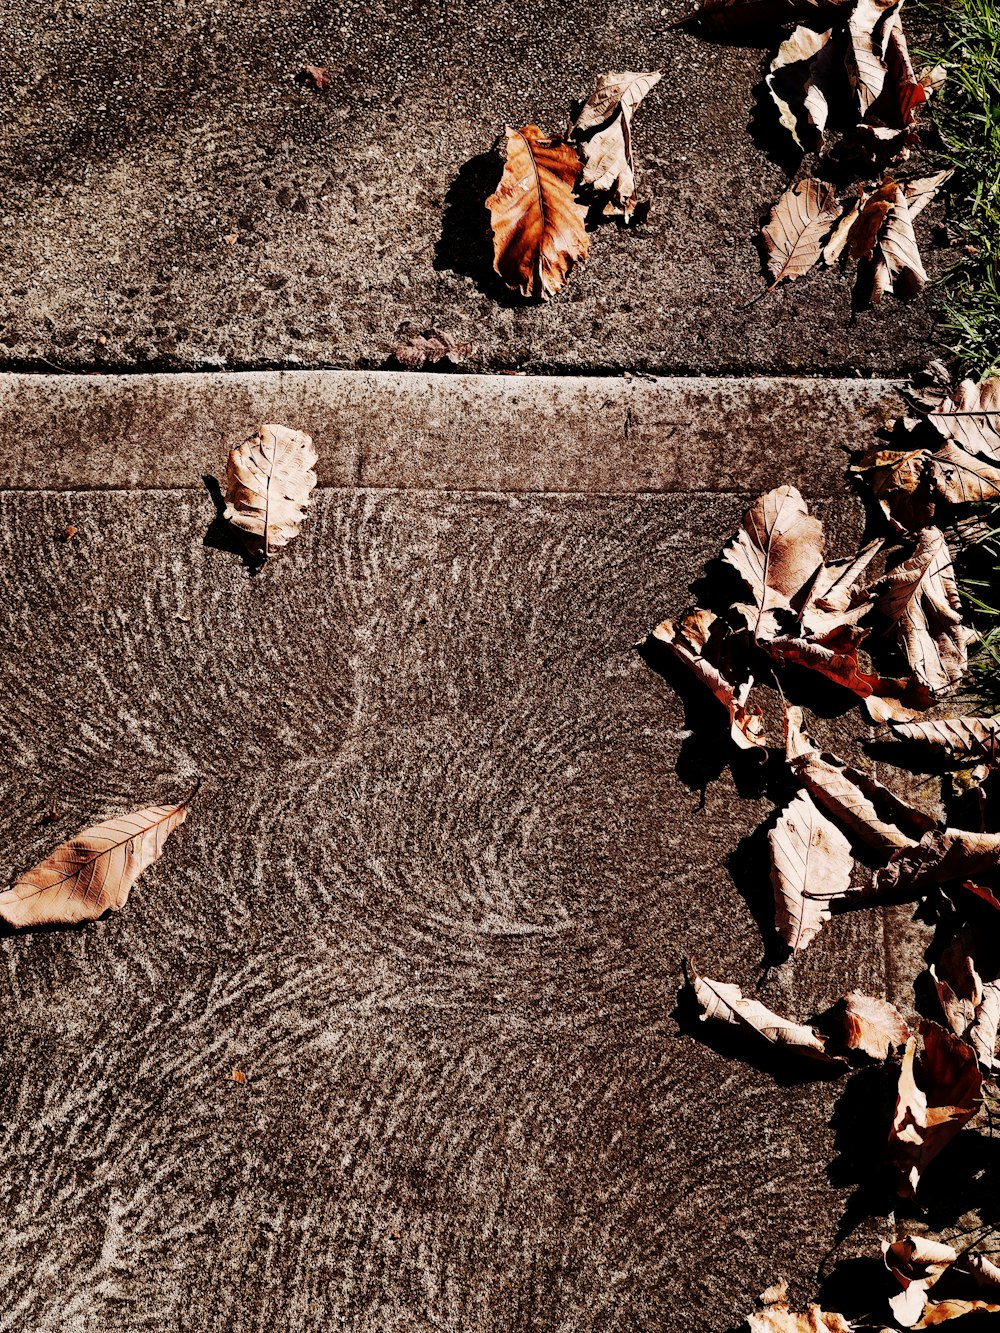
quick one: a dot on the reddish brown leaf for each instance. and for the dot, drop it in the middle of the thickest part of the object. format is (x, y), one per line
(940, 856)
(538, 224)
(941, 1312)
(799, 223)
(876, 207)
(318, 76)
(688, 640)
(810, 868)
(421, 349)
(936, 1097)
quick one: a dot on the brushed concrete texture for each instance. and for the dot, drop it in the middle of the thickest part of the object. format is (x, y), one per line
(431, 899)
(445, 432)
(137, 135)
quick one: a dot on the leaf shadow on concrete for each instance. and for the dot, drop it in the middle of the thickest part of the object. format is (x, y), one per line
(465, 246)
(220, 535)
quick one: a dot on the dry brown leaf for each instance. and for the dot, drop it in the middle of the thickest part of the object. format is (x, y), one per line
(898, 479)
(237, 1076)
(863, 1023)
(687, 640)
(940, 856)
(837, 244)
(959, 986)
(921, 599)
(799, 223)
(971, 417)
(775, 1316)
(810, 868)
(538, 223)
(603, 131)
(848, 794)
(956, 739)
(268, 483)
(825, 75)
(422, 349)
(800, 48)
(318, 76)
(940, 1312)
(838, 594)
(960, 477)
(869, 29)
(94, 871)
(834, 655)
(722, 1002)
(778, 549)
(897, 700)
(936, 1097)
(982, 1035)
(898, 249)
(919, 193)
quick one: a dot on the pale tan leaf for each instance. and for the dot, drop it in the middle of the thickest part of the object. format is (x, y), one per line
(778, 1318)
(896, 700)
(801, 47)
(822, 84)
(268, 483)
(936, 1097)
(848, 794)
(982, 1034)
(603, 131)
(538, 223)
(93, 872)
(919, 193)
(899, 249)
(838, 594)
(810, 868)
(424, 349)
(721, 1002)
(687, 640)
(921, 599)
(778, 549)
(869, 29)
(955, 738)
(971, 417)
(863, 1023)
(958, 985)
(799, 223)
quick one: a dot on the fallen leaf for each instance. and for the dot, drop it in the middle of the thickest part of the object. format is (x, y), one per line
(421, 349)
(848, 794)
(940, 856)
(603, 131)
(268, 483)
(837, 244)
(777, 550)
(318, 76)
(775, 1316)
(921, 600)
(919, 193)
(983, 1033)
(940, 1312)
(237, 1076)
(955, 738)
(863, 1023)
(898, 246)
(800, 48)
(838, 594)
(896, 700)
(834, 655)
(799, 222)
(916, 1263)
(959, 986)
(822, 84)
(687, 640)
(538, 224)
(721, 1002)
(231, 238)
(869, 28)
(810, 868)
(94, 871)
(971, 417)
(875, 208)
(960, 477)
(932, 1108)
(69, 532)
(898, 480)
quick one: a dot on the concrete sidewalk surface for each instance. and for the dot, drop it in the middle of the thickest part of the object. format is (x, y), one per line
(434, 892)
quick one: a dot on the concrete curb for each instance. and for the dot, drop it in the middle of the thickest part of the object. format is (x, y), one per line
(412, 431)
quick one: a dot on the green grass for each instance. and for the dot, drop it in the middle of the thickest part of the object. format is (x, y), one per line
(967, 117)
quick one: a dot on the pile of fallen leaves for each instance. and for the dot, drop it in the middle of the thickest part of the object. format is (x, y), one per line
(847, 93)
(846, 841)
(555, 188)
